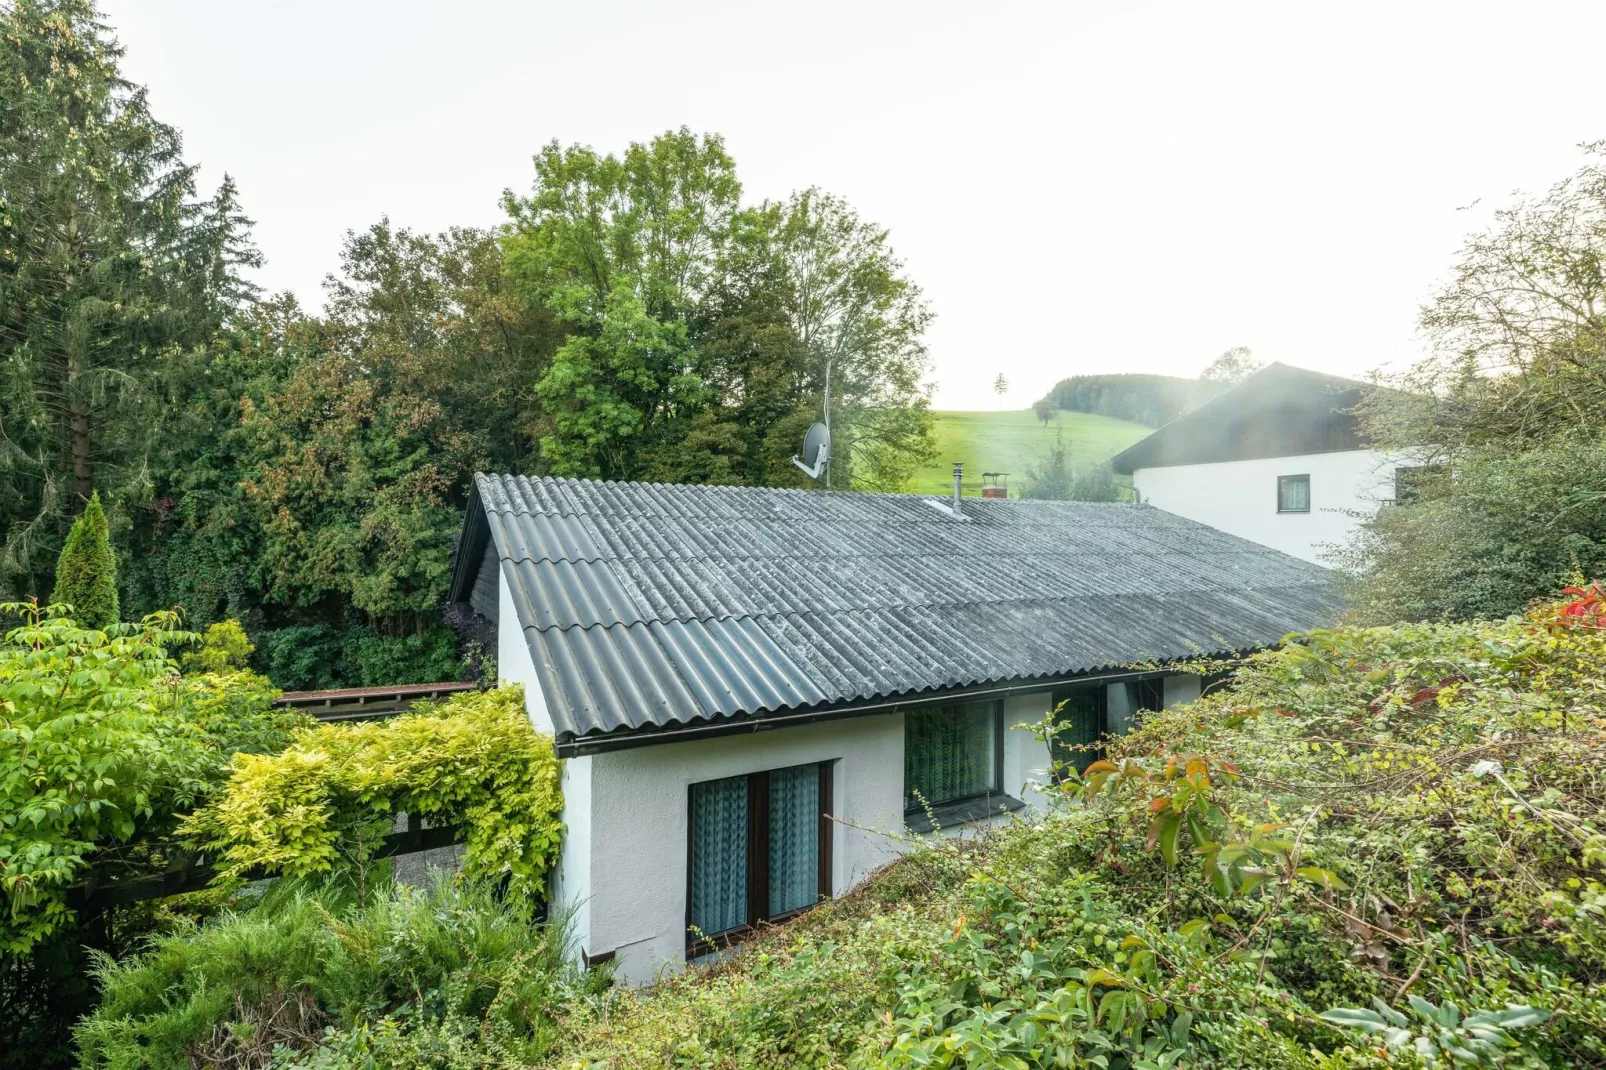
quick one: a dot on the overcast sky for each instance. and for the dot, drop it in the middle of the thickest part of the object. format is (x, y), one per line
(1077, 187)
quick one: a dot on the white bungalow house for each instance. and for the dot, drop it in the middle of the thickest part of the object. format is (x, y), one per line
(752, 687)
(1279, 459)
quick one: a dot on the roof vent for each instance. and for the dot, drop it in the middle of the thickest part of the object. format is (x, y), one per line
(952, 509)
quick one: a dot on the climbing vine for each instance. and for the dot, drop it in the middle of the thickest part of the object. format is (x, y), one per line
(327, 800)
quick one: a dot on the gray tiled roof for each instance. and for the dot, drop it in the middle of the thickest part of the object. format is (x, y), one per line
(649, 605)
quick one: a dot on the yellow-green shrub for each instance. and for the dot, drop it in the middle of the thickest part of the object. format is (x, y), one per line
(330, 796)
(102, 745)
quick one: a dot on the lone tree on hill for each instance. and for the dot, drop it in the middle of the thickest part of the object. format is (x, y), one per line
(1000, 387)
(86, 571)
(1232, 367)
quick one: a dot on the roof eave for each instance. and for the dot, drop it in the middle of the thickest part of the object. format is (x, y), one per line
(470, 546)
(568, 746)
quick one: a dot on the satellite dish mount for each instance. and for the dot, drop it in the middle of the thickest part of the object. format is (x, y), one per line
(816, 451)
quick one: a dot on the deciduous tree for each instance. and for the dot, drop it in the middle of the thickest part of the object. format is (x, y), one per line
(1510, 400)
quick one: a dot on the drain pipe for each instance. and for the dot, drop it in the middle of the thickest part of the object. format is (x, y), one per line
(959, 478)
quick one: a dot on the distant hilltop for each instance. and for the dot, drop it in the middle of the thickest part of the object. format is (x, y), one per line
(1153, 400)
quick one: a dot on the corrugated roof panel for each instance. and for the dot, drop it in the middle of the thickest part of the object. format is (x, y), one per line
(654, 605)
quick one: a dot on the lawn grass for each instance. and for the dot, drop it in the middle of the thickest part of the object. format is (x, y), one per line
(1010, 440)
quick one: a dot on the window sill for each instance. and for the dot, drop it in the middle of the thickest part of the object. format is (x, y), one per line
(1292, 512)
(962, 812)
(731, 939)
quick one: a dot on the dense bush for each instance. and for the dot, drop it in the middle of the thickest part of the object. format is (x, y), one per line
(1058, 478)
(102, 746)
(426, 658)
(452, 974)
(1380, 847)
(325, 801)
(318, 657)
(1509, 524)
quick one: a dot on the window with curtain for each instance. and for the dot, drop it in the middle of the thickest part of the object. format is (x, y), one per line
(1081, 712)
(1293, 494)
(759, 850)
(719, 836)
(951, 753)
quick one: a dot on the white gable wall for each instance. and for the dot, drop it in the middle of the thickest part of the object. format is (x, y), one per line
(571, 882)
(514, 664)
(1240, 497)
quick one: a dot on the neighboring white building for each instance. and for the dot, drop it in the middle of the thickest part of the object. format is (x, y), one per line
(754, 689)
(1278, 459)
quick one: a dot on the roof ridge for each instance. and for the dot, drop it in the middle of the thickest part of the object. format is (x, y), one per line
(802, 491)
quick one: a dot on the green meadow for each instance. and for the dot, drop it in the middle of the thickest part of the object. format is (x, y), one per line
(1010, 440)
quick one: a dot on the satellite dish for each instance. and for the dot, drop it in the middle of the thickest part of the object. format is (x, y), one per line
(816, 451)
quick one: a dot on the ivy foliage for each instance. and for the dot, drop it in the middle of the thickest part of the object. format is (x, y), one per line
(102, 744)
(1379, 847)
(326, 800)
(86, 570)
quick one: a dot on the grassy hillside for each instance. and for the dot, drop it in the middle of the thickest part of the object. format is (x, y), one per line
(1008, 441)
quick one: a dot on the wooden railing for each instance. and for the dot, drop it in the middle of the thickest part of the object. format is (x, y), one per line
(367, 703)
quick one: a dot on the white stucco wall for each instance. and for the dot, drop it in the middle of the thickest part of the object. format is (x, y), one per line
(1026, 758)
(638, 818)
(634, 815)
(1240, 497)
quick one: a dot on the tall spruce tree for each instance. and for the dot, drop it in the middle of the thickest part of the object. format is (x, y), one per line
(86, 569)
(110, 268)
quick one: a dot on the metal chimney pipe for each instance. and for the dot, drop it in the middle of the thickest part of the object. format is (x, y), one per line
(959, 479)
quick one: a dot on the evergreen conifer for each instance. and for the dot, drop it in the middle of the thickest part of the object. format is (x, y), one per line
(86, 571)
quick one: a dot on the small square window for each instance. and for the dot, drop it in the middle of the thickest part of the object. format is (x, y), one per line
(1293, 494)
(952, 753)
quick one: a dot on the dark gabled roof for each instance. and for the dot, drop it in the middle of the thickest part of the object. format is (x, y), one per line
(1280, 411)
(649, 606)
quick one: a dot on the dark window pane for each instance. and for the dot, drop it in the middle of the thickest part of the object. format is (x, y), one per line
(1147, 694)
(948, 754)
(1081, 712)
(719, 855)
(794, 838)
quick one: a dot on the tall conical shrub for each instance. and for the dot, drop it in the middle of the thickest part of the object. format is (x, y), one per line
(86, 571)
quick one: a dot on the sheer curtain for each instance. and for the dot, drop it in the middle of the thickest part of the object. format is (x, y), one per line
(719, 855)
(794, 838)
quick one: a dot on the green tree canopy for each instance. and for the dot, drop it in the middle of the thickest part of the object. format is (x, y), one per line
(109, 267)
(702, 337)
